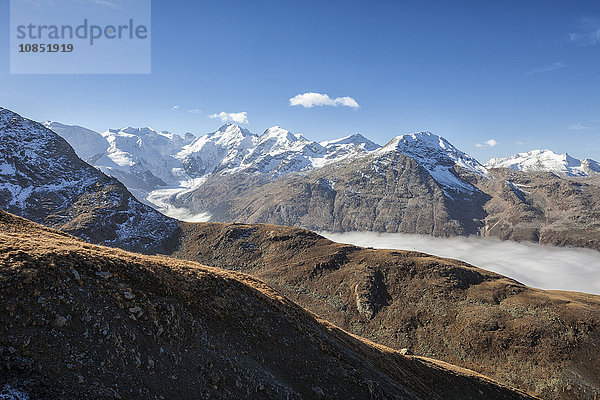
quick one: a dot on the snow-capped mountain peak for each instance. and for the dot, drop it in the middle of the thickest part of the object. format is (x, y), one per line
(278, 151)
(230, 129)
(222, 149)
(278, 137)
(277, 140)
(549, 161)
(229, 136)
(438, 156)
(427, 147)
(355, 139)
(277, 131)
(424, 137)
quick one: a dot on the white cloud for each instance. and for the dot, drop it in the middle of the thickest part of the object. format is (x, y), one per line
(578, 127)
(109, 4)
(545, 267)
(548, 68)
(310, 99)
(588, 34)
(174, 108)
(519, 143)
(487, 143)
(238, 118)
(195, 111)
(587, 38)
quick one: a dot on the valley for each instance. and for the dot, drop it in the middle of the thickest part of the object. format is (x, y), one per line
(542, 342)
(286, 200)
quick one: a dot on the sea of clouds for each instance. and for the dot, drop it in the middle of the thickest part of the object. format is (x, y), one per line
(545, 267)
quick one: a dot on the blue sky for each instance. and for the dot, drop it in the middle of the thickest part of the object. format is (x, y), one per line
(525, 74)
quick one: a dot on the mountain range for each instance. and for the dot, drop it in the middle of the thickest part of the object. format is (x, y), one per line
(536, 340)
(548, 161)
(416, 183)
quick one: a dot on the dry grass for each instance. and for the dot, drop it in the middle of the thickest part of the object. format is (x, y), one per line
(545, 342)
(79, 320)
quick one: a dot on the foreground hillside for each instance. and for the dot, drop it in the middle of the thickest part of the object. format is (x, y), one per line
(545, 342)
(84, 321)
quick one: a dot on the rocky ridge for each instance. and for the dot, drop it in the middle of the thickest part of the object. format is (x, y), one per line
(41, 178)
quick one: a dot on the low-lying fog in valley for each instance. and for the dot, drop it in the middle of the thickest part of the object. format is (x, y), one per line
(544, 267)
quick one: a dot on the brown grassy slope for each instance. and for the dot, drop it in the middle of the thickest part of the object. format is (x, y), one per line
(545, 342)
(84, 321)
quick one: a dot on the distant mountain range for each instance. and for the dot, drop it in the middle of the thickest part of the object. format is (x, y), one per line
(416, 183)
(547, 161)
(148, 161)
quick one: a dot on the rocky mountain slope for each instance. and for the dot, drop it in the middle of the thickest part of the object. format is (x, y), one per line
(388, 191)
(545, 342)
(542, 207)
(384, 191)
(41, 178)
(84, 321)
